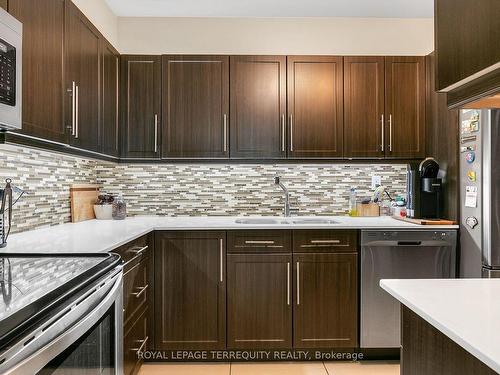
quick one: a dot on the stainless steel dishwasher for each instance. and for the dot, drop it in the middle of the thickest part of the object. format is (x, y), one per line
(409, 254)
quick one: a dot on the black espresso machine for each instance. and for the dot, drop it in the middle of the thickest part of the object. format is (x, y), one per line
(425, 191)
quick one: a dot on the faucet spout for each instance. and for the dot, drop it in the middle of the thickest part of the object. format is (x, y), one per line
(287, 210)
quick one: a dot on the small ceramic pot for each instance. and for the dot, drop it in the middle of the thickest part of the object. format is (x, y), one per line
(103, 211)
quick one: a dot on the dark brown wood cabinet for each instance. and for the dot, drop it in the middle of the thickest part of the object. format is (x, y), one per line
(190, 285)
(43, 58)
(135, 339)
(4, 4)
(140, 107)
(405, 88)
(325, 300)
(258, 107)
(259, 307)
(364, 123)
(110, 66)
(195, 107)
(82, 79)
(315, 107)
(466, 40)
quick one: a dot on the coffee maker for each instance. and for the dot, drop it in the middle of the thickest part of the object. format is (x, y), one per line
(425, 191)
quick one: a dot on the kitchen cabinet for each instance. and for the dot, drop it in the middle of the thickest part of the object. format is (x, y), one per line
(140, 106)
(467, 53)
(364, 123)
(190, 285)
(4, 4)
(195, 107)
(135, 339)
(82, 80)
(259, 310)
(43, 58)
(325, 300)
(110, 64)
(405, 89)
(258, 107)
(315, 107)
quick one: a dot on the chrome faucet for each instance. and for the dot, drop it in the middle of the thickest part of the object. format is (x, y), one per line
(287, 209)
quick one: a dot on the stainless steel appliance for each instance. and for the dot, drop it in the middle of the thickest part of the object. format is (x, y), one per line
(480, 193)
(61, 314)
(11, 38)
(409, 254)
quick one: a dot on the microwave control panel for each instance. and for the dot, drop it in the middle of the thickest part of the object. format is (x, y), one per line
(7, 73)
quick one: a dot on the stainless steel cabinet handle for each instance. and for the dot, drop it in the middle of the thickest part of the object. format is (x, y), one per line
(291, 132)
(143, 344)
(325, 241)
(225, 132)
(390, 133)
(156, 133)
(382, 146)
(259, 242)
(73, 106)
(283, 133)
(288, 283)
(141, 291)
(221, 260)
(298, 283)
(77, 104)
(137, 250)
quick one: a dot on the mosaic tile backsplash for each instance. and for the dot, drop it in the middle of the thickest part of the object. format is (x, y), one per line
(187, 189)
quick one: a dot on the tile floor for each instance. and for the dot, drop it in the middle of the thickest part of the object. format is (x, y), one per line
(281, 368)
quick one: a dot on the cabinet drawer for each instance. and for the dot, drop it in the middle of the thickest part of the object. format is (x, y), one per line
(257, 241)
(305, 241)
(136, 289)
(136, 249)
(135, 339)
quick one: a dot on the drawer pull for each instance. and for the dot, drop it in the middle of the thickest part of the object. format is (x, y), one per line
(141, 291)
(325, 241)
(259, 242)
(137, 250)
(143, 345)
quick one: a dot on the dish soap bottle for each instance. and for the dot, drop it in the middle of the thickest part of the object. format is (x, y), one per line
(353, 209)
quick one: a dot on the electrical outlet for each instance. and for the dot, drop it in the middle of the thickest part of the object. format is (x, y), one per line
(376, 181)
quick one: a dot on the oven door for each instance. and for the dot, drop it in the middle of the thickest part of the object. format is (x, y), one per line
(85, 337)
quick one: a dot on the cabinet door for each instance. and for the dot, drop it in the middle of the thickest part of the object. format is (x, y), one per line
(110, 62)
(405, 107)
(135, 337)
(364, 107)
(195, 107)
(258, 107)
(140, 99)
(82, 69)
(43, 56)
(259, 311)
(325, 301)
(190, 290)
(315, 107)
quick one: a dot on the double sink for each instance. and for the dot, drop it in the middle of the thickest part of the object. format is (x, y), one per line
(274, 221)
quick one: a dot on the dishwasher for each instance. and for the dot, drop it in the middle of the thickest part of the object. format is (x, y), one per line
(408, 254)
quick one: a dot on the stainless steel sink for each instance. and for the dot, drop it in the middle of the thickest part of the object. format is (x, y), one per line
(257, 221)
(313, 221)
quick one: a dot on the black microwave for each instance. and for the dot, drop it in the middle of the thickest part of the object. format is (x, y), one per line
(10, 71)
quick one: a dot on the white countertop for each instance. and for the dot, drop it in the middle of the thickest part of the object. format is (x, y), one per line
(465, 310)
(105, 235)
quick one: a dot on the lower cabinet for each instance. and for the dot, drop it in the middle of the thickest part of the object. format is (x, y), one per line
(190, 284)
(135, 340)
(259, 308)
(325, 300)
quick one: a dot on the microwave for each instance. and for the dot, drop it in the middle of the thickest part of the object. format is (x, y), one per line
(11, 40)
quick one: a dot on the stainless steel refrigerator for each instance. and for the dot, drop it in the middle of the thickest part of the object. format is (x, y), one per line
(480, 193)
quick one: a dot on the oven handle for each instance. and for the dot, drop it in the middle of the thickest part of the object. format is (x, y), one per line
(41, 357)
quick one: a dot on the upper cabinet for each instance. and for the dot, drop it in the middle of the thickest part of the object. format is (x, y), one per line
(110, 67)
(141, 110)
(195, 107)
(405, 107)
(82, 80)
(364, 107)
(467, 49)
(43, 59)
(258, 107)
(315, 107)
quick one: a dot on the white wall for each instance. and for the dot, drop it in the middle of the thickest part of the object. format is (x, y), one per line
(99, 13)
(333, 36)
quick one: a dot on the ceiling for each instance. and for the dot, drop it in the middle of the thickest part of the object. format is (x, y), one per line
(273, 8)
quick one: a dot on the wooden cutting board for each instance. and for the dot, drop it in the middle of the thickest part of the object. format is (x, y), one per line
(426, 221)
(83, 198)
